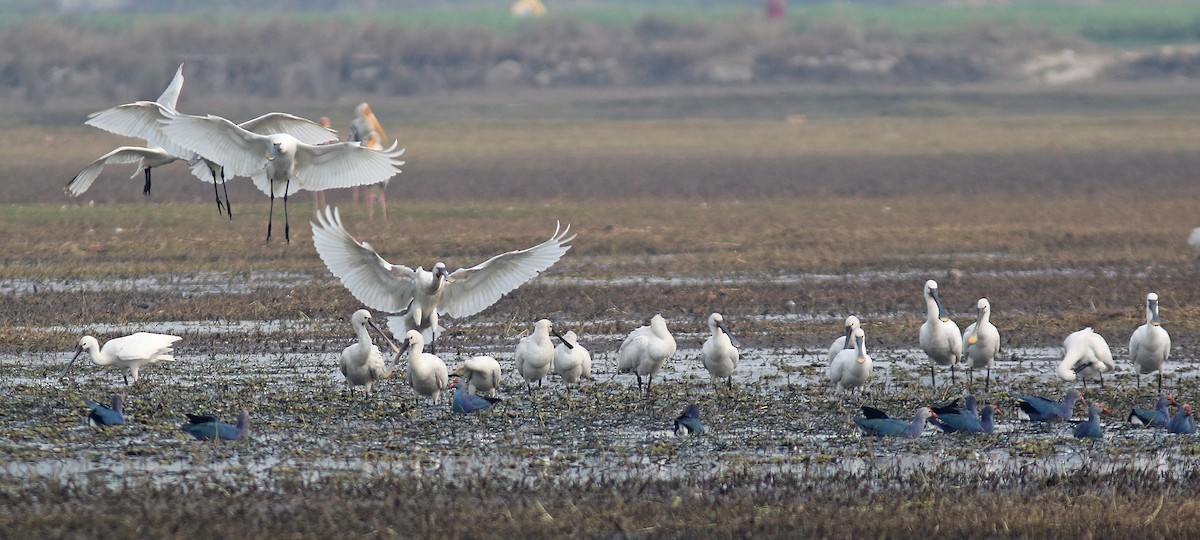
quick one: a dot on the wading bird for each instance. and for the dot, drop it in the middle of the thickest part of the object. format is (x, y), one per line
(426, 372)
(939, 335)
(1087, 355)
(479, 374)
(1156, 417)
(207, 428)
(1040, 409)
(845, 341)
(645, 350)
(106, 416)
(876, 423)
(280, 164)
(535, 353)
(362, 363)
(688, 422)
(464, 402)
(1091, 428)
(571, 360)
(851, 367)
(981, 343)
(1182, 423)
(419, 296)
(129, 353)
(719, 354)
(952, 419)
(1150, 344)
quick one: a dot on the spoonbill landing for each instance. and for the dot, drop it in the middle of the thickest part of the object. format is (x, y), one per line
(939, 335)
(719, 354)
(419, 296)
(981, 342)
(645, 350)
(280, 164)
(129, 353)
(1087, 355)
(851, 367)
(571, 360)
(362, 363)
(426, 372)
(1150, 344)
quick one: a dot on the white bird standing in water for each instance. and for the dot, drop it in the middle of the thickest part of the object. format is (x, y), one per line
(845, 341)
(362, 363)
(535, 353)
(280, 164)
(851, 367)
(1087, 355)
(719, 354)
(939, 335)
(419, 296)
(1150, 344)
(480, 373)
(571, 360)
(129, 353)
(981, 342)
(426, 372)
(645, 350)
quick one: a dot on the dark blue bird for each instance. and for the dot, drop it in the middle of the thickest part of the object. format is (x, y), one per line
(872, 424)
(1182, 422)
(106, 416)
(207, 428)
(469, 403)
(689, 421)
(1157, 417)
(1040, 409)
(952, 419)
(1091, 428)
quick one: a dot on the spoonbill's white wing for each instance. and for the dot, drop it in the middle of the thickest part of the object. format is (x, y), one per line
(242, 152)
(373, 281)
(480, 286)
(345, 164)
(152, 157)
(170, 96)
(141, 119)
(142, 346)
(304, 130)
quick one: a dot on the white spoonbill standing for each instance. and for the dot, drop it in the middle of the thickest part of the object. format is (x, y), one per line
(845, 341)
(939, 335)
(1087, 355)
(645, 350)
(362, 363)
(851, 367)
(1150, 344)
(480, 374)
(571, 360)
(281, 164)
(981, 342)
(129, 353)
(420, 296)
(535, 353)
(426, 372)
(719, 354)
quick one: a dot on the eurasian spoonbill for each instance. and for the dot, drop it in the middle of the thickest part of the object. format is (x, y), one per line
(845, 341)
(719, 354)
(1091, 428)
(851, 367)
(362, 362)
(280, 164)
(480, 374)
(129, 353)
(420, 296)
(1087, 355)
(106, 416)
(207, 428)
(688, 422)
(426, 372)
(465, 403)
(1182, 423)
(1040, 409)
(1150, 344)
(876, 423)
(1156, 417)
(645, 350)
(939, 335)
(571, 360)
(535, 353)
(981, 342)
